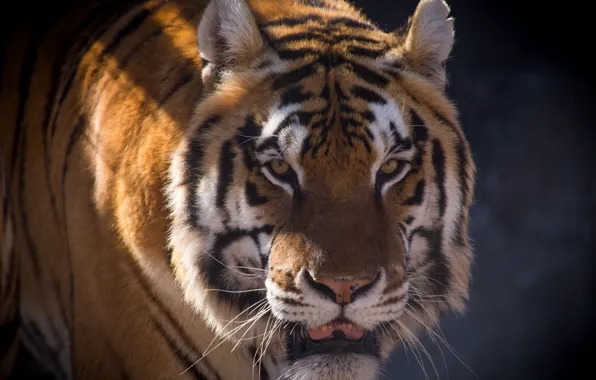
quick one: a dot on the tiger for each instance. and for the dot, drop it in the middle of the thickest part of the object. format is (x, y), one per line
(229, 189)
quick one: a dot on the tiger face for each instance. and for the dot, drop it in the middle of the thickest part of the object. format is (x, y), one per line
(321, 193)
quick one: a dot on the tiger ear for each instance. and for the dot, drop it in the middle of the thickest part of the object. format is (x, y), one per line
(228, 34)
(430, 39)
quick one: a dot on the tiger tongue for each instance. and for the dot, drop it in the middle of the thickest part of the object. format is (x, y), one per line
(351, 331)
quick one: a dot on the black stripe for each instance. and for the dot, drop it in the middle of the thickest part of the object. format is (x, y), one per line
(187, 362)
(27, 67)
(397, 138)
(352, 38)
(186, 78)
(289, 119)
(418, 196)
(351, 23)
(292, 21)
(73, 139)
(269, 143)
(447, 122)
(134, 24)
(339, 92)
(215, 273)
(439, 275)
(419, 130)
(294, 94)
(226, 175)
(293, 77)
(136, 271)
(306, 147)
(294, 54)
(346, 108)
(194, 162)
(409, 220)
(349, 121)
(246, 139)
(463, 183)
(20, 141)
(366, 52)
(252, 195)
(354, 135)
(368, 116)
(438, 160)
(367, 95)
(304, 36)
(50, 106)
(132, 52)
(369, 75)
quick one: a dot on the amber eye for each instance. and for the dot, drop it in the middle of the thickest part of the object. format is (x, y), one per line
(280, 167)
(391, 166)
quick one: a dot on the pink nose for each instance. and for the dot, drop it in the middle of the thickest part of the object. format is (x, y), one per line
(343, 289)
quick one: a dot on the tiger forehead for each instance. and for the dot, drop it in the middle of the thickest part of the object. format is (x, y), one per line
(326, 25)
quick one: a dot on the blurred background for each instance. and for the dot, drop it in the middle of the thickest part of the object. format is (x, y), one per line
(522, 80)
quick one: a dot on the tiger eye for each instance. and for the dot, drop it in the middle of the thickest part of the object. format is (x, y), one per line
(280, 167)
(390, 166)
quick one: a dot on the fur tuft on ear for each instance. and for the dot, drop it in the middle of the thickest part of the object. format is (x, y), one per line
(228, 34)
(430, 39)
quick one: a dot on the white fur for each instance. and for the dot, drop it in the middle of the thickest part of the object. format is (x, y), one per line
(246, 251)
(276, 181)
(333, 367)
(434, 31)
(293, 138)
(317, 311)
(276, 116)
(384, 139)
(210, 215)
(431, 38)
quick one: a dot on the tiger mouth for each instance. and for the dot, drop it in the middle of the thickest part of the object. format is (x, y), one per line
(337, 337)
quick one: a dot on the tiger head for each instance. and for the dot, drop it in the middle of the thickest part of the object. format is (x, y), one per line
(320, 196)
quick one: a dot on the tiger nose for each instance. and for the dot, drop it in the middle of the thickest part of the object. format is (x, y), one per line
(341, 291)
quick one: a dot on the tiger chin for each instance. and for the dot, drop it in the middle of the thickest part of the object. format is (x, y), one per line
(325, 173)
(288, 200)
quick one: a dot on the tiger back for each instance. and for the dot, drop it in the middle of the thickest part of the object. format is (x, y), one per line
(288, 199)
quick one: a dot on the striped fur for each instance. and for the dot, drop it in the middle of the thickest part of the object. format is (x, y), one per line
(152, 239)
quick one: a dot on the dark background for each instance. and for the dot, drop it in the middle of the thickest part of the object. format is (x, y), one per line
(521, 76)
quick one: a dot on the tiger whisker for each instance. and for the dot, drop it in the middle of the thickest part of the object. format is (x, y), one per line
(225, 265)
(277, 324)
(223, 339)
(254, 361)
(234, 291)
(252, 324)
(441, 339)
(249, 268)
(421, 348)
